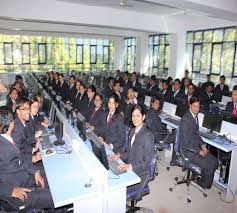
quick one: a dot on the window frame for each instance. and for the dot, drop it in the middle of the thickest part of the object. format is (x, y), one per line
(22, 54)
(93, 46)
(45, 48)
(82, 61)
(4, 49)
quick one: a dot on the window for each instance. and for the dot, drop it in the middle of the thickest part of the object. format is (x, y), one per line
(42, 53)
(129, 54)
(159, 54)
(8, 53)
(212, 51)
(105, 54)
(93, 54)
(79, 56)
(25, 49)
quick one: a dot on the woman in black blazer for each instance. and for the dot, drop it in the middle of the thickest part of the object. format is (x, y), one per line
(97, 118)
(11, 103)
(140, 150)
(91, 90)
(114, 129)
(82, 102)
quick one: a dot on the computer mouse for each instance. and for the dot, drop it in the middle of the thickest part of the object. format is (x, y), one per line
(49, 151)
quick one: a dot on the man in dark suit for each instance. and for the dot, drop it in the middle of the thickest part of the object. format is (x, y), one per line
(56, 83)
(221, 89)
(108, 90)
(51, 79)
(11, 103)
(166, 92)
(117, 89)
(204, 85)
(186, 76)
(118, 78)
(126, 83)
(192, 141)
(135, 84)
(152, 86)
(178, 92)
(72, 89)
(63, 88)
(206, 97)
(231, 107)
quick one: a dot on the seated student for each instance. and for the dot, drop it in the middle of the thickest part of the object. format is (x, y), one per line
(186, 73)
(56, 83)
(97, 118)
(118, 78)
(21, 92)
(154, 123)
(114, 129)
(40, 116)
(51, 80)
(72, 89)
(166, 92)
(77, 94)
(11, 103)
(20, 185)
(24, 92)
(184, 87)
(152, 86)
(206, 97)
(126, 83)
(221, 89)
(82, 102)
(63, 88)
(117, 89)
(178, 92)
(170, 83)
(91, 91)
(135, 83)
(232, 105)
(204, 85)
(108, 90)
(140, 150)
(190, 94)
(191, 140)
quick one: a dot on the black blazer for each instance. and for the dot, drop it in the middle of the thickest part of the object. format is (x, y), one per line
(188, 134)
(204, 85)
(87, 111)
(179, 95)
(107, 91)
(137, 87)
(115, 132)
(13, 172)
(98, 120)
(9, 106)
(122, 103)
(64, 91)
(206, 101)
(72, 93)
(141, 153)
(218, 92)
(126, 86)
(229, 107)
(56, 86)
(82, 103)
(167, 96)
(120, 80)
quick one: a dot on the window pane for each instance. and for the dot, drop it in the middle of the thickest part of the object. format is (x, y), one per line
(105, 54)
(150, 40)
(99, 55)
(197, 58)
(207, 36)
(235, 71)
(8, 53)
(162, 56)
(129, 55)
(162, 39)
(216, 59)
(25, 53)
(92, 54)
(190, 38)
(167, 56)
(42, 53)
(167, 39)
(229, 34)
(206, 58)
(198, 37)
(155, 56)
(189, 55)
(228, 58)
(217, 35)
(79, 59)
(156, 39)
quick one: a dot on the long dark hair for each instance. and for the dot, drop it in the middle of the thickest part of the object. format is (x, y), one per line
(5, 119)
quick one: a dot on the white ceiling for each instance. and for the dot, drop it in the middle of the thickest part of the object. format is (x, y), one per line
(131, 5)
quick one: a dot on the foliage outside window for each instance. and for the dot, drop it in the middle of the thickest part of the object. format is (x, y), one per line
(129, 54)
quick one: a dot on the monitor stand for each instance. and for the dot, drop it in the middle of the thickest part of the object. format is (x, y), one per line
(58, 142)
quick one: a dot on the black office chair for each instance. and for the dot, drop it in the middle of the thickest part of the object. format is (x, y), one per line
(193, 172)
(136, 195)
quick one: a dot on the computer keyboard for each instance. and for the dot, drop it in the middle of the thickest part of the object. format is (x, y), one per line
(113, 165)
(208, 135)
(173, 120)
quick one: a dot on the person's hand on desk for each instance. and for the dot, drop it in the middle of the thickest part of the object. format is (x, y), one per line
(125, 167)
(20, 193)
(36, 157)
(39, 180)
(204, 151)
(114, 156)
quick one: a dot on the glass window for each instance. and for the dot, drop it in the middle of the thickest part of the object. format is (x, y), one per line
(206, 58)
(189, 37)
(207, 36)
(218, 35)
(216, 59)
(105, 54)
(93, 52)
(129, 54)
(155, 55)
(198, 37)
(228, 58)
(197, 57)
(42, 53)
(25, 53)
(8, 53)
(79, 54)
(235, 66)
(230, 34)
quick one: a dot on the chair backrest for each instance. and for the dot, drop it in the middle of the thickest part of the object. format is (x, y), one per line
(178, 141)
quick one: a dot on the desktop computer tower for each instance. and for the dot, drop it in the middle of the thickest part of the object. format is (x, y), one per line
(224, 170)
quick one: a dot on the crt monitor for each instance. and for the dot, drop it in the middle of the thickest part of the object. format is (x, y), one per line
(58, 128)
(182, 107)
(46, 106)
(212, 121)
(81, 126)
(99, 151)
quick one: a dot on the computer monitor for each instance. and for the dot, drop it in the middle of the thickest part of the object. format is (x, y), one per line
(58, 127)
(169, 108)
(228, 116)
(229, 130)
(46, 106)
(225, 99)
(147, 101)
(212, 121)
(99, 150)
(81, 126)
(182, 107)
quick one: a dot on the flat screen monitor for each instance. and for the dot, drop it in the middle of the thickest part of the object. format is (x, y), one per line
(58, 128)
(99, 151)
(169, 108)
(182, 107)
(228, 116)
(46, 106)
(212, 121)
(81, 126)
(147, 101)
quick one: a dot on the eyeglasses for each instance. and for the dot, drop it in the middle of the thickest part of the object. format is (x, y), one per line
(24, 109)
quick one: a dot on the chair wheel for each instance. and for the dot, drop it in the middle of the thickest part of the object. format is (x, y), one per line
(176, 178)
(171, 189)
(204, 194)
(167, 168)
(188, 200)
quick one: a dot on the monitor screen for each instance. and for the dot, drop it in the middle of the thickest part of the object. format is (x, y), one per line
(228, 116)
(182, 107)
(58, 128)
(212, 121)
(81, 126)
(46, 106)
(99, 151)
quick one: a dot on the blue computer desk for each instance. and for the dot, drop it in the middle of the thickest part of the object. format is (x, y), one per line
(224, 145)
(67, 175)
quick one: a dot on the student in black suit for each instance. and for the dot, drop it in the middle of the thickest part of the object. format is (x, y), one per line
(20, 185)
(77, 94)
(72, 89)
(24, 91)
(81, 102)
(191, 91)
(56, 83)
(11, 103)
(221, 89)
(184, 87)
(186, 76)
(140, 150)
(91, 91)
(117, 89)
(51, 80)
(178, 92)
(207, 97)
(204, 85)
(40, 116)
(152, 86)
(21, 92)
(97, 118)
(170, 83)
(166, 92)
(231, 106)
(114, 129)
(118, 78)
(135, 83)
(191, 140)
(126, 83)
(63, 88)
(108, 90)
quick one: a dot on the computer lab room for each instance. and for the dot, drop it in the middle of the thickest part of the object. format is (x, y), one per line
(118, 106)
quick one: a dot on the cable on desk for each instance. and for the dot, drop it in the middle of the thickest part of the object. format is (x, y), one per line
(233, 196)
